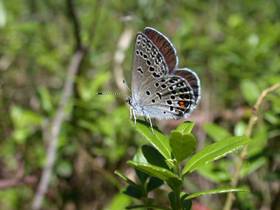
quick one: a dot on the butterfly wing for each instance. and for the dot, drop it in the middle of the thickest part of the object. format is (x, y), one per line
(159, 90)
(173, 98)
(165, 47)
(194, 82)
(148, 66)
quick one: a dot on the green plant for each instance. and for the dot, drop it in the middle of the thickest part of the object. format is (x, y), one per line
(163, 162)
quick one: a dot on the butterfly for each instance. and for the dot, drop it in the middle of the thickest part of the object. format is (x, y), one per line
(159, 89)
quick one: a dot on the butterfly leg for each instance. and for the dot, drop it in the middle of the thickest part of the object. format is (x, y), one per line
(150, 121)
(134, 116)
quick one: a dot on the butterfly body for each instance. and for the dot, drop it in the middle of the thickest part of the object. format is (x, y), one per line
(159, 89)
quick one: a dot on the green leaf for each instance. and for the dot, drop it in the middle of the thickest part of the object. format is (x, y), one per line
(134, 191)
(45, 99)
(139, 157)
(216, 132)
(156, 138)
(153, 183)
(215, 191)
(125, 178)
(119, 202)
(214, 152)
(155, 171)
(64, 168)
(173, 201)
(250, 91)
(185, 128)
(187, 204)
(182, 145)
(153, 156)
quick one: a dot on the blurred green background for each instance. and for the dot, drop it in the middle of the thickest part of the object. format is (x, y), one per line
(234, 46)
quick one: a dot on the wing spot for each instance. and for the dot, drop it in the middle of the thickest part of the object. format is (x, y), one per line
(163, 85)
(139, 69)
(156, 84)
(148, 92)
(148, 62)
(151, 68)
(153, 101)
(156, 75)
(182, 104)
(159, 95)
(169, 102)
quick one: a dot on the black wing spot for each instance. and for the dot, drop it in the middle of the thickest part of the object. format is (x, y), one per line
(137, 52)
(139, 69)
(163, 85)
(159, 95)
(156, 84)
(172, 97)
(169, 102)
(182, 96)
(171, 108)
(153, 101)
(148, 62)
(151, 68)
(148, 92)
(156, 75)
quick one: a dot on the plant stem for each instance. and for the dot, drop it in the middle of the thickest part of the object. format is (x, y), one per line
(248, 132)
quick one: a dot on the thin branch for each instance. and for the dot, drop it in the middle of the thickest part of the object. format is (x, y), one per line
(248, 132)
(55, 127)
(75, 22)
(15, 182)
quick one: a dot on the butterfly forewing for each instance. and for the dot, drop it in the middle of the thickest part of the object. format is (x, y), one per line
(164, 46)
(148, 66)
